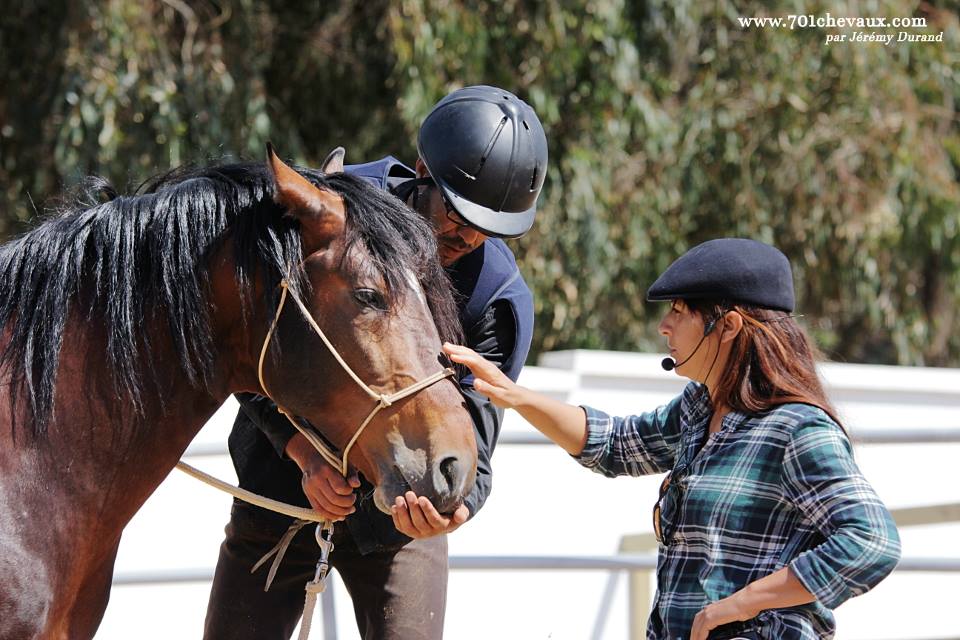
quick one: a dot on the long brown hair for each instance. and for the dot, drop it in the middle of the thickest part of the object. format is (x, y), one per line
(772, 361)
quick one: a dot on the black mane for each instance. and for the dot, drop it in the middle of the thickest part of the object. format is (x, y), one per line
(130, 259)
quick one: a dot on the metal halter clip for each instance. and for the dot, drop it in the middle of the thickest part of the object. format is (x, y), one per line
(318, 585)
(324, 535)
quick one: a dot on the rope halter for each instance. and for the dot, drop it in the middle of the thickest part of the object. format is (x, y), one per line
(383, 400)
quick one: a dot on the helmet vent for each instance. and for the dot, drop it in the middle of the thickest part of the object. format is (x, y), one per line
(526, 126)
(493, 140)
(533, 180)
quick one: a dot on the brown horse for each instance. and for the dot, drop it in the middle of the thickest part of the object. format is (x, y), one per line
(127, 322)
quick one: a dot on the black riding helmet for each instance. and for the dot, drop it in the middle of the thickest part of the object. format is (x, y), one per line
(486, 151)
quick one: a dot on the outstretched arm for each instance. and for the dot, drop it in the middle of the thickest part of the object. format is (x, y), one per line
(563, 423)
(613, 446)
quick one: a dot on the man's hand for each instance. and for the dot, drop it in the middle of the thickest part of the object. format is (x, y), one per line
(418, 518)
(329, 492)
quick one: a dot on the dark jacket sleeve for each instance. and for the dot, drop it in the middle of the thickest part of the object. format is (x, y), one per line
(263, 413)
(494, 337)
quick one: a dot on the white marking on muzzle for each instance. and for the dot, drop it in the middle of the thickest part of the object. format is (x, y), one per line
(412, 463)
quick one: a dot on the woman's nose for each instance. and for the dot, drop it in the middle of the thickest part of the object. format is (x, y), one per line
(663, 328)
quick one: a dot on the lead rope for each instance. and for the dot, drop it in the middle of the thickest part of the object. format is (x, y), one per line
(319, 583)
(324, 531)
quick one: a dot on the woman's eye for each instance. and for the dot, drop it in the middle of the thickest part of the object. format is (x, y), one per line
(370, 298)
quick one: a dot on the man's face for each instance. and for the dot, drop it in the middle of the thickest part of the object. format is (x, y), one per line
(455, 238)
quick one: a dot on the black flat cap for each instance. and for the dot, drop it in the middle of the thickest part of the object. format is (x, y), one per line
(734, 269)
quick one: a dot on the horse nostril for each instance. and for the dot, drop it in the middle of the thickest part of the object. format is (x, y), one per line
(450, 470)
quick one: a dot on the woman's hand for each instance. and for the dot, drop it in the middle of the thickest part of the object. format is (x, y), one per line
(563, 423)
(489, 380)
(723, 611)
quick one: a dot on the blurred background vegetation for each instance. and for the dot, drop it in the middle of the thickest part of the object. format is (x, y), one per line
(668, 124)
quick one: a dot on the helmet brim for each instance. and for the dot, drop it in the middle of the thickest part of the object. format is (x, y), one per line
(497, 224)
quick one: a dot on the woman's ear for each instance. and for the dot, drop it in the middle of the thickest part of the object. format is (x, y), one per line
(731, 325)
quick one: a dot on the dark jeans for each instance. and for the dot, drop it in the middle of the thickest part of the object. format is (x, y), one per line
(397, 594)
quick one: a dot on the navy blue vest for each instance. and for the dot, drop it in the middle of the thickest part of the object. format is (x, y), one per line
(481, 277)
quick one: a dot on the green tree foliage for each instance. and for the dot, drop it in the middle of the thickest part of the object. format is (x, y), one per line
(668, 124)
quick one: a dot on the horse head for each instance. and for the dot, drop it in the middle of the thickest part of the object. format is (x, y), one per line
(373, 304)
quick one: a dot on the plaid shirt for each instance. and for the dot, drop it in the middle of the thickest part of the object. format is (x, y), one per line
(767, 490)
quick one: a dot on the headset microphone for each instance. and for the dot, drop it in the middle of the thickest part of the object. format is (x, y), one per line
(669, 364)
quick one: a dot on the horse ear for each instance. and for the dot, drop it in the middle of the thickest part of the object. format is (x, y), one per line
(334, 161)
(320, 211)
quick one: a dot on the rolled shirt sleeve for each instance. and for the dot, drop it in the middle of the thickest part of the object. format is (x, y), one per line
(862, 545)
(634, 445)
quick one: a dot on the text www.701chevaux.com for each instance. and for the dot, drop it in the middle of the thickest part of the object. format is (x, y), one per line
(856, 26)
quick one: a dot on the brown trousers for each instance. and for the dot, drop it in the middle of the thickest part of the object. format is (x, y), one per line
(397, 595)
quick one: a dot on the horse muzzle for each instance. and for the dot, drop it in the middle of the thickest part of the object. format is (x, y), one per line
(444, 479)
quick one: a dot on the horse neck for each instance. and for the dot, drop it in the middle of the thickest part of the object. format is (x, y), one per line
(236, 343)
(101, 456)
(136, 448)
(177, 408)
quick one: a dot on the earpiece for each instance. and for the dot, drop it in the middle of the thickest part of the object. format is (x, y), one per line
(711, 324)
(708, 327)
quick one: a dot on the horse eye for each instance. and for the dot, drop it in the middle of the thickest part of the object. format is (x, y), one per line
(370, 298)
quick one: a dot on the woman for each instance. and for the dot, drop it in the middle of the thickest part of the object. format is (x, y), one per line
(764, 520)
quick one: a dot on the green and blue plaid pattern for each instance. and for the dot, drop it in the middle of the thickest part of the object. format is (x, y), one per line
(767, 490)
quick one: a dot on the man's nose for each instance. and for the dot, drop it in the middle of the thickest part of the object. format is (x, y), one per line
(469, 235)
